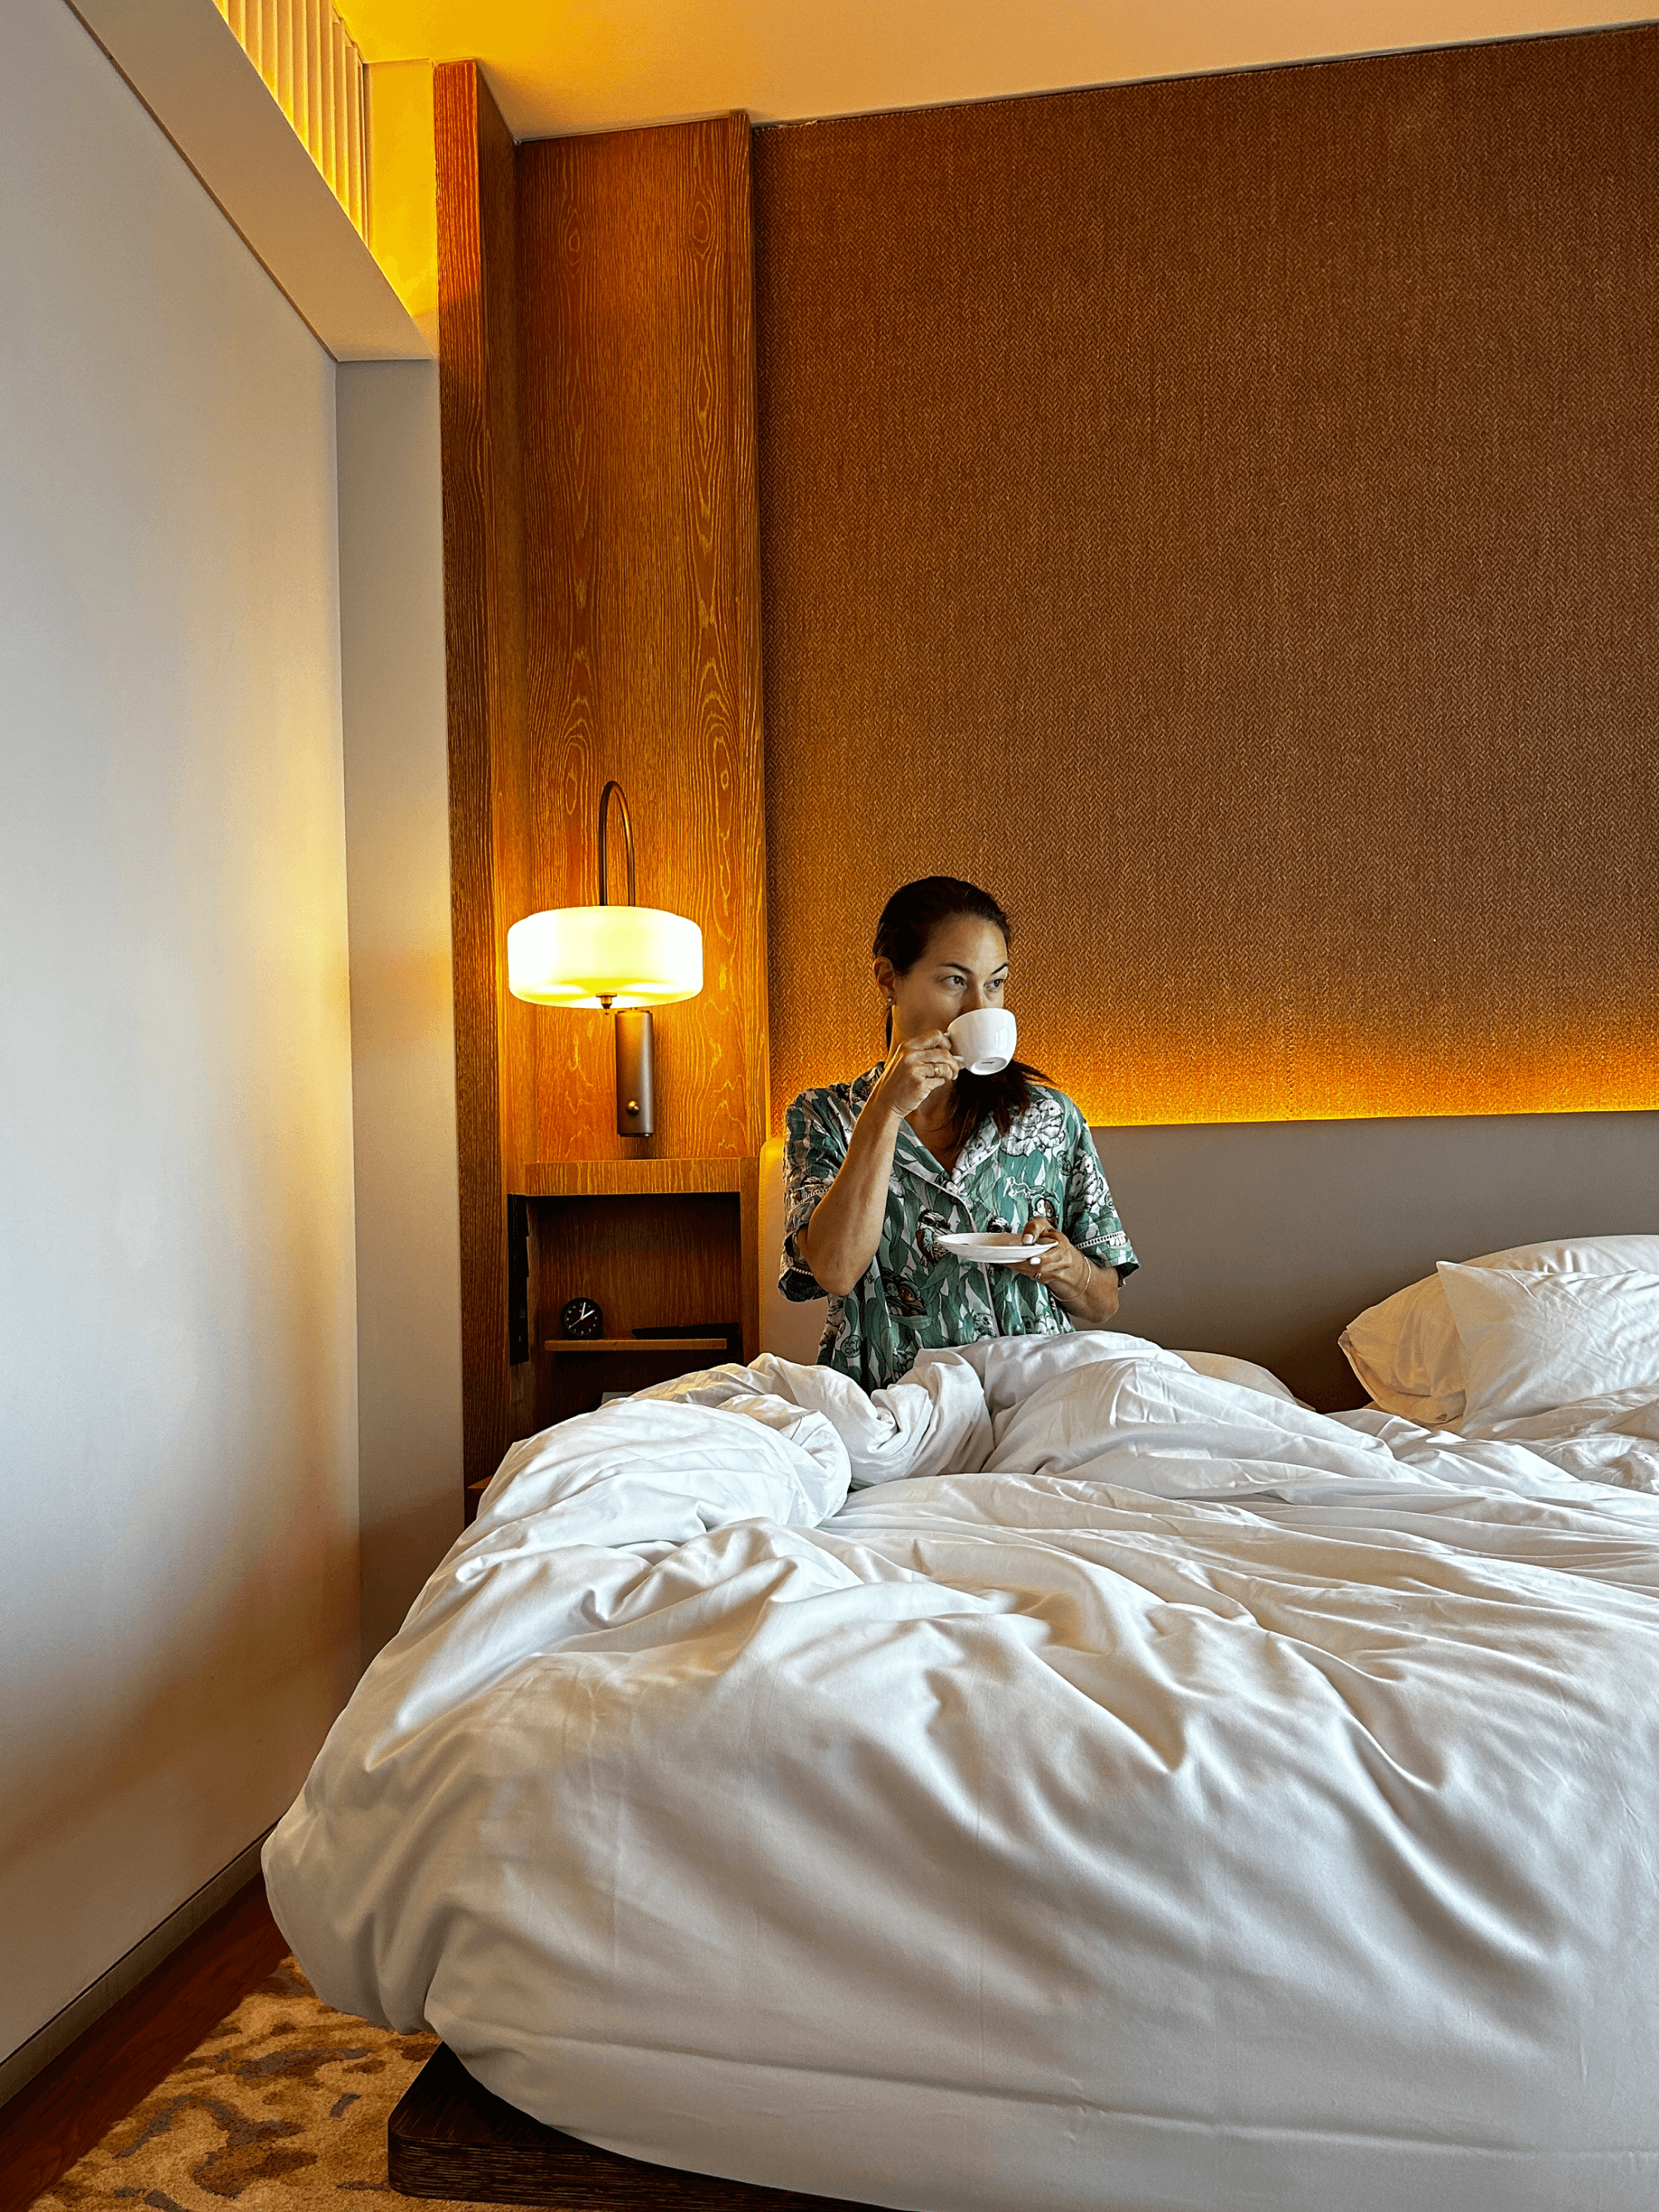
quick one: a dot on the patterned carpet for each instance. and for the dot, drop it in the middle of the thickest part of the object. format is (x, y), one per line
(282, 2109)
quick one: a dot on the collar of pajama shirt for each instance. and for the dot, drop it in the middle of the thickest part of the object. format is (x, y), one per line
(914, 1295)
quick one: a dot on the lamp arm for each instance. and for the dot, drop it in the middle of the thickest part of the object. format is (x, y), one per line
(605, 853)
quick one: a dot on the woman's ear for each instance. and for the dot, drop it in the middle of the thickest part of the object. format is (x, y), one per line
(882, 971)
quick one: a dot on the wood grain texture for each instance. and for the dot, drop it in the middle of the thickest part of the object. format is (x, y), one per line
(488, 776)
(654, 1260)
(670, 1348)
(748, 721)
(449, 2138)
(748, 1232)
(650, 1258)
(643, 620)
(1219, 516)
(56, 2118)
(595, 1178)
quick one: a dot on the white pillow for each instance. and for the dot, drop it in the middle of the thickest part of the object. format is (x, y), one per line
(1406, 1350)
(1534, 1341)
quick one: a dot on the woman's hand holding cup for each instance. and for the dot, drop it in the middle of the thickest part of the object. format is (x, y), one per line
(915, 1071)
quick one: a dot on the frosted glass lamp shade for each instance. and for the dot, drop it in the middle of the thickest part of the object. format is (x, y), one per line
(591, 955)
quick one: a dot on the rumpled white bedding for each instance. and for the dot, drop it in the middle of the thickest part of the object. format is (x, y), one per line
(1147, 1794)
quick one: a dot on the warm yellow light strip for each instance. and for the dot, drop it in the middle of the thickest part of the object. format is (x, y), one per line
(311, 63)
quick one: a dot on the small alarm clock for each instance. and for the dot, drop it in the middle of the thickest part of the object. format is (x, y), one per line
(581, 1317)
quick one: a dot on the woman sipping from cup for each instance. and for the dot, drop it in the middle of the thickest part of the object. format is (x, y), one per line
(949, 1135)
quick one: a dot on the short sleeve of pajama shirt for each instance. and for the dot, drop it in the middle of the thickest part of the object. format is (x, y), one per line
(915, 1296)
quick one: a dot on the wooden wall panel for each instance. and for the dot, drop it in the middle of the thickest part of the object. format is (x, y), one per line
(1220, 516)
(650, 1261)
(488, 765)
(644, 617)
(603, 619)
(647, 1261)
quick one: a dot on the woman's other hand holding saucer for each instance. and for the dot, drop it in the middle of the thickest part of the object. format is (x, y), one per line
(1055, 1259)
(1087, 1292)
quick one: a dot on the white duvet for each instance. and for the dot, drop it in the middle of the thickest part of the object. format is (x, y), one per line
(1148, 1794)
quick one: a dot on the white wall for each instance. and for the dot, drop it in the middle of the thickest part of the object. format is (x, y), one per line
(177, 1414)
(403, 1019)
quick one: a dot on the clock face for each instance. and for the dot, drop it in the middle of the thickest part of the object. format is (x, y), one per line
(581, 1317)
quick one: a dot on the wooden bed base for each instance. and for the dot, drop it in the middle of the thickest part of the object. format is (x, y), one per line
(449, 2138)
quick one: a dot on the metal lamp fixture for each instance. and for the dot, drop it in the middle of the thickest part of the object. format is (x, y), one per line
(622, 960)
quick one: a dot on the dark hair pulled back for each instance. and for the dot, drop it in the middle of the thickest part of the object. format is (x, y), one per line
(906, 929)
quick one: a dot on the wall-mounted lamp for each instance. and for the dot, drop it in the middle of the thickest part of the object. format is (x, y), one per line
(621, 959)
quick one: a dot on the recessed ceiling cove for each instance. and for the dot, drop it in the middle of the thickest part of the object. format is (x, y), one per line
(562, 66)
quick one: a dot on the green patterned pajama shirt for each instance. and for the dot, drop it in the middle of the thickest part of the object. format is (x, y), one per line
(914, 1296)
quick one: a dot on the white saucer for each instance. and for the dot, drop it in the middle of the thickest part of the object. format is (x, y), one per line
(993, 1249)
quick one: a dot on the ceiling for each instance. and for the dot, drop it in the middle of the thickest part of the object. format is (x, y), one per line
(559, 66)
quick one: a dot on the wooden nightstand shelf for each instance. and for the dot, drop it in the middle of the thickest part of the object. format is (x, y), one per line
(566, 1347)
(658, 1244)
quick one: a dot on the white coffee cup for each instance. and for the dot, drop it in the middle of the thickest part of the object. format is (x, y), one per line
(984, 1041)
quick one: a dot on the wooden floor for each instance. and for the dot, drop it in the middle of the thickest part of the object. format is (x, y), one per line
(450, 2137)
(57, 2118)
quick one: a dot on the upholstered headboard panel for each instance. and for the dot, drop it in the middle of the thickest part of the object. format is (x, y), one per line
(1264, 1238)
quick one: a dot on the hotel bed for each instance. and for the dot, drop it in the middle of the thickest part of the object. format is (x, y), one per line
(1072, 1779)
